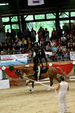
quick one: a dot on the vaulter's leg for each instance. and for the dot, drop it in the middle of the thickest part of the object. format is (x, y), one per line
(45, 60)
(38, 74)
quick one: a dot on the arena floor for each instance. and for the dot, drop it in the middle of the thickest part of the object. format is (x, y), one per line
(20, 100)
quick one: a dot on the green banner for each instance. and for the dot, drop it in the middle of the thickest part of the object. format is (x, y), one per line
(4, 75)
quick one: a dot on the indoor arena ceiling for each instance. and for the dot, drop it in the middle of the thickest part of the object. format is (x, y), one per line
(20, 7)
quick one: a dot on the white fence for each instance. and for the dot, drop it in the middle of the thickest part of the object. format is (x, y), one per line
(72, 78)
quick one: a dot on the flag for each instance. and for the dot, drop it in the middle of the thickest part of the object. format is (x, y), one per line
(35, 2)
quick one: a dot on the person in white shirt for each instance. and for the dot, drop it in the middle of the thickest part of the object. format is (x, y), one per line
(62, 87)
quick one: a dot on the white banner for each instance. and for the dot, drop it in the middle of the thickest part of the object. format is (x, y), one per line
(4, 84)
(16, 59)
(0, 74)
(72, 55)
(49, 53)
(35, 2)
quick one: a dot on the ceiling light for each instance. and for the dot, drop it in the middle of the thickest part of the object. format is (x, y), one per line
(2, 4)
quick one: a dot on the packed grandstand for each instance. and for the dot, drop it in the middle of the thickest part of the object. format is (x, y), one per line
(60, 43)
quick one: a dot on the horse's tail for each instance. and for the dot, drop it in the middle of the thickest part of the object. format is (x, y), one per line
(61, 71)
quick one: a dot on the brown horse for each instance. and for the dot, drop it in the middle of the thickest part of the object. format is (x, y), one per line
(51, 74)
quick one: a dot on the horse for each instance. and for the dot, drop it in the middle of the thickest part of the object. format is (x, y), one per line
(51, 73)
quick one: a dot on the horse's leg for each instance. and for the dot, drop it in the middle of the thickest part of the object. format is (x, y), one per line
(32, 86)
(51, 83)
(30, 81)
(57, 79)
(27, 84)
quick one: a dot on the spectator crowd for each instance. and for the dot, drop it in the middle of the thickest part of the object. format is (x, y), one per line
(60, 44)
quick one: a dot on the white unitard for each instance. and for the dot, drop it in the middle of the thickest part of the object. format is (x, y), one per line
(62, 96)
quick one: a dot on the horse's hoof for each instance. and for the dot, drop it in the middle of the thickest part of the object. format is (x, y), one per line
(31, 90)
(49, 89)
(27, 87)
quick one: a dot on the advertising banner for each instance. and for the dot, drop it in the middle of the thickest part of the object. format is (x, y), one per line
(16, 59)
(72, 55)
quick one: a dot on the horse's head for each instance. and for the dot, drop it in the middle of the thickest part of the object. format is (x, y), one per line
(18, 72)
(23, 70)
